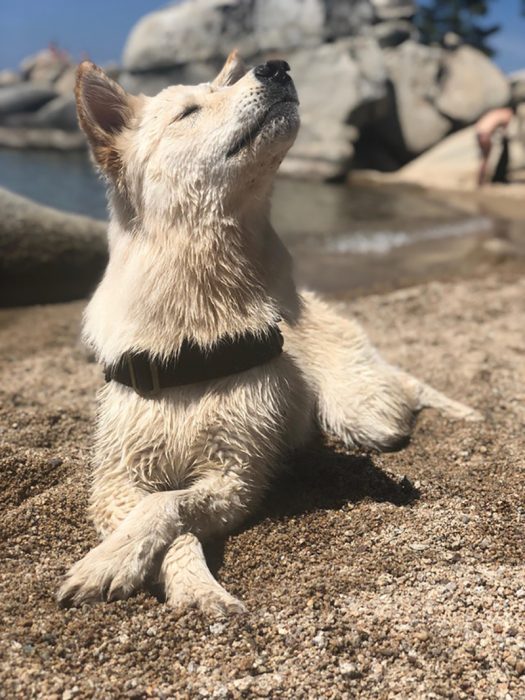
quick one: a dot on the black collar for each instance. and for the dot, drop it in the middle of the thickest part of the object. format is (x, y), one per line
(147, 375)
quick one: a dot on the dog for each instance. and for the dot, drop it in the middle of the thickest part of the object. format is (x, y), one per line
(217, 367)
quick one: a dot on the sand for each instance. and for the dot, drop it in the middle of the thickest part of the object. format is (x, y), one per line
(394, 575)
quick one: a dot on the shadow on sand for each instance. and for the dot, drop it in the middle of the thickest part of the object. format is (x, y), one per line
(323, 477)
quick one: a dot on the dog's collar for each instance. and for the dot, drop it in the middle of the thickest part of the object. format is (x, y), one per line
(148, 375)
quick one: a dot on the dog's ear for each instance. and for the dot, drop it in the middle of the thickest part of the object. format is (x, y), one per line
(231, 72)
(104, 109)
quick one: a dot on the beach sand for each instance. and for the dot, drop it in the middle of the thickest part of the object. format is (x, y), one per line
(366, 575)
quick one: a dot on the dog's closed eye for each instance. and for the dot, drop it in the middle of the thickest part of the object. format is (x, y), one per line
(190, 109)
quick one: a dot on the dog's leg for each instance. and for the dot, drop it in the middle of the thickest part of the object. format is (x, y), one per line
(188, 581)
(127, 557)
(424, 396)
(361, 399)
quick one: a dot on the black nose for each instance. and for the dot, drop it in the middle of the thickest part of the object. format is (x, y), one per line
(276, 71)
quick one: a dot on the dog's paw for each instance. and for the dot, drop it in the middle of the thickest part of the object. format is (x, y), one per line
(460, 411)
(111, 571)
(211, 600)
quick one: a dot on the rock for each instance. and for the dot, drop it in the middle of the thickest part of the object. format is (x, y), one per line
(394, 32)
(60, 113)
(24, 97)
(343, 18)
(324, 149)
(45, 66)
(317, 155)
(47, 255)
(206, 30)
(287, 24)
(394, 9)
(412, 124)
(152, 82)
(56, 139)
(472, 85)
(9, 77)
(65, 85)
(451, 164)
(517, 86)
(190, 31)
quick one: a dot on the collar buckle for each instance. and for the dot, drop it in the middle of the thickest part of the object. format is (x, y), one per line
(135, 372)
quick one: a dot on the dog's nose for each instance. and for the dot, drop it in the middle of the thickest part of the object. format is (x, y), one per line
(275, 71)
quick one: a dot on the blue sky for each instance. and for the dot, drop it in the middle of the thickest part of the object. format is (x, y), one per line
(99, 28)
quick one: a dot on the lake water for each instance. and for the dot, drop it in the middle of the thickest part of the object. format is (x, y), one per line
(335, 218)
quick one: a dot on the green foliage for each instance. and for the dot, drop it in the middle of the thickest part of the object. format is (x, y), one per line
(462, 17)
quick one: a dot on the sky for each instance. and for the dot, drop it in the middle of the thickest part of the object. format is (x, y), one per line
(99, 28)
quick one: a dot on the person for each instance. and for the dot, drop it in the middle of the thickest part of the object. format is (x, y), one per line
(488, 126)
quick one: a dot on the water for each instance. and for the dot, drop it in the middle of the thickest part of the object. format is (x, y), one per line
(334, 218)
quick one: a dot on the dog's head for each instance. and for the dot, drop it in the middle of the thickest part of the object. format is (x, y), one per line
(213, 144)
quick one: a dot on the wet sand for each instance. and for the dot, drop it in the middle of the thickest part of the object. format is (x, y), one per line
(366, 575)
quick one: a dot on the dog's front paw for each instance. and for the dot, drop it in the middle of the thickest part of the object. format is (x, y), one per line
(111, 571)
(211, 600)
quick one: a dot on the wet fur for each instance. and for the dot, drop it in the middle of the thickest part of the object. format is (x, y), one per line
(193, 255)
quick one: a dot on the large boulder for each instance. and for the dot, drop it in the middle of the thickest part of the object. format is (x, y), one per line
(46, 66)
(206, 30)
(454, 163)
(339, 84)
(152, 82)
(54, 139)
(9, 77)
(59, 113)
(471, 86)
(65, 85)
(47, 255)
(395, 32)
(24, 97)
(413, 123)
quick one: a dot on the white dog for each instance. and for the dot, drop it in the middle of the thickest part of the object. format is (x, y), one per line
(202, 405)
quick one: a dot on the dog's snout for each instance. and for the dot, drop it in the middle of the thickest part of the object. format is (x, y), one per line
(274, 71)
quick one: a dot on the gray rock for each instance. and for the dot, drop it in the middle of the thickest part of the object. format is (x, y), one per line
(47, 255)
(152, 82)
(453, 163)
(207, 30)
(517, 86)
(60, 113)
(55, 139)
(24, 97)
(65, 85)
(287, 25)
(413, 123)
(394, 32)
(46, 66)
(200, 30)
(394, 9)
(347, 17)
(9, 77)
(319, 155)
(472, 85)
(336, 84)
